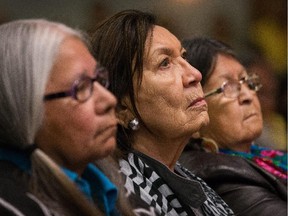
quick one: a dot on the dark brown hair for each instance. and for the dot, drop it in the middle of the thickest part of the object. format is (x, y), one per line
(119, 44)
(202, 54)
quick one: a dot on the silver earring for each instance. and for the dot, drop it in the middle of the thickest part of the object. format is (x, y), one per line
(134, 124)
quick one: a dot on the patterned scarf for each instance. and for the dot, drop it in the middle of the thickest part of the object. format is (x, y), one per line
(151, 185)
(273, 161)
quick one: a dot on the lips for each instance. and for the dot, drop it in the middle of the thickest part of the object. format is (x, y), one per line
(250, 115)
(200, 99)
(110, 129)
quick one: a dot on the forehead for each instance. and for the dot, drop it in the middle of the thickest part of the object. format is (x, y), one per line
(161, 38)
(72, 61)
(228, 67)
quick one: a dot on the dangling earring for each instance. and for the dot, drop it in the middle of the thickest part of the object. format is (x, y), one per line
(134, 124)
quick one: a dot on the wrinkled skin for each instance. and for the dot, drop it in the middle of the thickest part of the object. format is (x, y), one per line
(169, 100)
(234, 123)
(74, 133)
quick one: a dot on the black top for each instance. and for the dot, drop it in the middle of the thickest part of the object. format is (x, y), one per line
(14, 196)
(247, 188)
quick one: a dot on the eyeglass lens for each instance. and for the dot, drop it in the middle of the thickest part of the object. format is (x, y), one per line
(84, 88)
(232, 88)
(102, 77)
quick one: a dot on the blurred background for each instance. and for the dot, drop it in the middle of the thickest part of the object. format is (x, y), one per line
(256, 29)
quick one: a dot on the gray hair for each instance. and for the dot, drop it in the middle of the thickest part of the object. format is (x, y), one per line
(28, 49)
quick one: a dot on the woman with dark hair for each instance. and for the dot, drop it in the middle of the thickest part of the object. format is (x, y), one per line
(252, 183)
(160, 104)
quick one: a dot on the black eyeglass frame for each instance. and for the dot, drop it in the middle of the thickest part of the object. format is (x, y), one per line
(101, 77)
(252, 86)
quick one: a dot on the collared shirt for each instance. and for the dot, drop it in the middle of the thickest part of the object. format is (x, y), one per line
(93, 183)
(96, 186)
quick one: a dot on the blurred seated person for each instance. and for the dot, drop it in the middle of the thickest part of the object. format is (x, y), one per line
(274, 134)
(56, 119)
(249, 178)
(160, 104)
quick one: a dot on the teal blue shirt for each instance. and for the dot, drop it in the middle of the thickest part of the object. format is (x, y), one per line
(93, 183)
(96, 186)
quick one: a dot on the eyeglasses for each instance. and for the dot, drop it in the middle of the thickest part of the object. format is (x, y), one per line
(82, 89)
(232, 88)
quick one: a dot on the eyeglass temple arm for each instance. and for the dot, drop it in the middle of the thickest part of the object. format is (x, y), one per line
(56, 95)
(216, 91)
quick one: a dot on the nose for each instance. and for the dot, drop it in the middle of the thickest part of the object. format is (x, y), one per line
(191, 75)
(246, 95)
(104, 100)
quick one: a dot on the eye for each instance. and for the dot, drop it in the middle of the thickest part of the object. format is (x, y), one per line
(184, 55)
(165, 63)
(243, 78)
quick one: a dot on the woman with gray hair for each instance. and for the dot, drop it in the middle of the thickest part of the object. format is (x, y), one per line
(56, 119)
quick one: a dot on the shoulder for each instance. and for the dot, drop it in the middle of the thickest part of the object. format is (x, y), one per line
(130, 168)
(199, 160)
(246, 188)
(14, 196)
(141, 208)
(213, 167)
(131, 164)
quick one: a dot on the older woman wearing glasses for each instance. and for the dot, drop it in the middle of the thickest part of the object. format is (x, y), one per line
(249, 184)
(56, 119)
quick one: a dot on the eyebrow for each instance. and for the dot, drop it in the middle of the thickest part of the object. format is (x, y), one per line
(166, 51)
(243, 72)
(163, 50)
(240, 75)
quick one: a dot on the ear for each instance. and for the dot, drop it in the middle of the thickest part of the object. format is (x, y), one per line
(124, 112)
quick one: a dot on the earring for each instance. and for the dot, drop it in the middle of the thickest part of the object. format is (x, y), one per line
(134, 124)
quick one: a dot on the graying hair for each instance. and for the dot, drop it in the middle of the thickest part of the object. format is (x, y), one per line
(28, 49)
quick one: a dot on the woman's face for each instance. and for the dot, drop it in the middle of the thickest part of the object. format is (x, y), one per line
(170, 98)
(75, 133)
(234, 123)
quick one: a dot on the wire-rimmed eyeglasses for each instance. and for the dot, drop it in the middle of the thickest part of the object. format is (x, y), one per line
(232, 88)
(82, 89)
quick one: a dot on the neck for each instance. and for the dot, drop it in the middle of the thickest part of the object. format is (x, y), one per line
(239, 147)
(245, 147)
(166, 151)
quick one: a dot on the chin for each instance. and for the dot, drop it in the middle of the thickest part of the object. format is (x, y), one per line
(205, 120)
(199, 124)
(257, 133)
(108, 148)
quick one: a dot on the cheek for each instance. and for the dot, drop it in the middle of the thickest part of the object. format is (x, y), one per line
(160, 106)
(256, 123)
(82, 120)
(257, 105)
(163, 90)
(72, 123)
(226, 116)
(161, 95)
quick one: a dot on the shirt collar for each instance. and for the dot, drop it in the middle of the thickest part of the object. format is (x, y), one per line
(96, 186)
(189, 191)
(93, 183)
